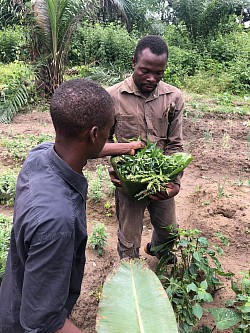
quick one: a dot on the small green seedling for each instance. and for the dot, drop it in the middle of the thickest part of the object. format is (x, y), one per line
(107, 207)
(98, 238)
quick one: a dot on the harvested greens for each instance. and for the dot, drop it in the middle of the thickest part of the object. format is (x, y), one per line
(148, 171)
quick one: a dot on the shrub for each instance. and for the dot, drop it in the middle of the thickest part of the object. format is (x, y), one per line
(176, 35)
(97, 44)
(12, 41)
(5, 228)
(181, 63)
(17, 89)
(7, 188)
(194, 277)
(231, 47)
(98, 238)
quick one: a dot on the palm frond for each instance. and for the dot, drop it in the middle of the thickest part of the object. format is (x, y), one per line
(12, 103)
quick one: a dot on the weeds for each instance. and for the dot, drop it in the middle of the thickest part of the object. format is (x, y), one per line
(99, 183)
(95, 190)
(97, 293)
(107, 207)
(5, 228)
(236, 315)
(194, 278)
(98, 238)
(221, 188)
(225, 141)
(18, 146)
(208, 134)
(241, 302)
(7, 188)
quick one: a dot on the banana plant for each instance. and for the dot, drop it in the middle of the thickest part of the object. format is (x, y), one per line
(134, 301)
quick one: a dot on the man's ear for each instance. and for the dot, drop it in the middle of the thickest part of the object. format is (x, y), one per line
(93, 134)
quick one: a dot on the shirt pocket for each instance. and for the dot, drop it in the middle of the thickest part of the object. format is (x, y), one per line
(127, 127)
(161, 127)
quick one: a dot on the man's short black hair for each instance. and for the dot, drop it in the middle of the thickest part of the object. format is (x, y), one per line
(78, 105)
(155, 43)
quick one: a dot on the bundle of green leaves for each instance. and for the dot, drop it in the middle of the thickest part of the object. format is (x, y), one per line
(151, 167)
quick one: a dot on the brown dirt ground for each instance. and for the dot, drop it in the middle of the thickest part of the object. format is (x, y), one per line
(221, 161)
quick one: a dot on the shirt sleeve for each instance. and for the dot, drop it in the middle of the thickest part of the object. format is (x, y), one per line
(46, 283)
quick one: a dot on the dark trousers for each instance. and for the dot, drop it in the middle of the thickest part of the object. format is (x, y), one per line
(130, 213)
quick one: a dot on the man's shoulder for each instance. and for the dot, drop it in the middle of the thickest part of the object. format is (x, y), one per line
(164, 88)
(116, 87)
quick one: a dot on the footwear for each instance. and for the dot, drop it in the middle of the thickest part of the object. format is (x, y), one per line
(147, 249)
(169, 257)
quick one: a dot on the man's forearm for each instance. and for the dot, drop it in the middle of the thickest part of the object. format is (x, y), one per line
(118, 148)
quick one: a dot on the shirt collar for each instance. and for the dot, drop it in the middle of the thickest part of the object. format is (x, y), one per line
(130, 87)
(76, 180)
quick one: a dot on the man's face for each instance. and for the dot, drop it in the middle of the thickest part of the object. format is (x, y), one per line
(148, 70)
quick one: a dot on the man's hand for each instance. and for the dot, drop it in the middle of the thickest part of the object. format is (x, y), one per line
(114, 178)
(171, 190)
(134, 145)
(120, 148)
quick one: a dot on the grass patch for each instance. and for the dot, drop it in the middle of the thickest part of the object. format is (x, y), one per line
(217, 103)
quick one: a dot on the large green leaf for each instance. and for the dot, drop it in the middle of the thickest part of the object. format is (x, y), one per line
(225, 318)
(134, 301)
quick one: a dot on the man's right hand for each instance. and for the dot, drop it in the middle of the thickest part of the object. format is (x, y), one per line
(114, 178)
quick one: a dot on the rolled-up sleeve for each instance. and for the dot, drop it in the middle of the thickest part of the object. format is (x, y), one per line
(46, 283)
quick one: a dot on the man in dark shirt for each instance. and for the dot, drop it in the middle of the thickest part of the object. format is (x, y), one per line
(45, 265)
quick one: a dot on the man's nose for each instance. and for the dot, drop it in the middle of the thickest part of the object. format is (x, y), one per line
(151, 78)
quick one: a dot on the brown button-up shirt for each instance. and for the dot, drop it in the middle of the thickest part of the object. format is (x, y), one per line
(147, 118)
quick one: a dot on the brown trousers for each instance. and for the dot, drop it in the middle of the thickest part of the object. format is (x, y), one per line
(130, 213)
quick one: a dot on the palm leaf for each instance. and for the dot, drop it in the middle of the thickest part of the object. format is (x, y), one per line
(134, 301)
(12, 103)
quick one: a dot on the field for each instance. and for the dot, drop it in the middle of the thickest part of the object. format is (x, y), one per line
(214, 195)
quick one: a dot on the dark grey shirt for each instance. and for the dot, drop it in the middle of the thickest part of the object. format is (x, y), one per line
(46, 260)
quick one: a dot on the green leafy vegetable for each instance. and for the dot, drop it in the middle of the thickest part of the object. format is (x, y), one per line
(149, 170)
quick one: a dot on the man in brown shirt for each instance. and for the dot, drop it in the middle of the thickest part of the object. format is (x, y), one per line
(148, 108)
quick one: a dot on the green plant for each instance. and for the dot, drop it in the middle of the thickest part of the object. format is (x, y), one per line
(98, 238)
(225, 141)
(97, 293)
(221, 187)
(11, 12)
(5, 228)
(16, 89)
(150, 169)
(99, 183)
(7, 188)
(111, 189)
(208, 134)
(241, 302)
(54, 24)
(107, 207)
(95, 190)
(193, 279)
(11, 42)
(18, 145)
(133, 301)
(106, 75)
(108, 46)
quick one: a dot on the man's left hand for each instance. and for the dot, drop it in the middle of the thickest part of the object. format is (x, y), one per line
(172, 189)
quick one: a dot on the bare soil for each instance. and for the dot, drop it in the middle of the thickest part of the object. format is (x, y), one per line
(214, 197)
